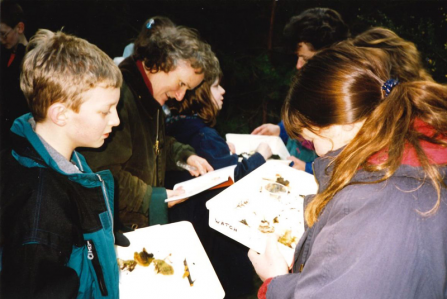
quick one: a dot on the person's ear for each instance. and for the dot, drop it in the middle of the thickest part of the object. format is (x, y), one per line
(57, 113)
(21, 27)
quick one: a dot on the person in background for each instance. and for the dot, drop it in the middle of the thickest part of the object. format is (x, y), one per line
(381, 205)
(192, 122)
(56, 212)
(309, 32)
(13, 42)
(167, 61)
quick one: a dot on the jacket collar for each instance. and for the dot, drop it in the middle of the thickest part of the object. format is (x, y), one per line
(135, 81)
(410, 166)
(30, 152)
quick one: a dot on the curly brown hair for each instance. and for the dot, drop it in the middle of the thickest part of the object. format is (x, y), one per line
(162, 45)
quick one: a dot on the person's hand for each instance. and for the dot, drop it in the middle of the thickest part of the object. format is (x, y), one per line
(271, 263)
(201, 166)
(232, 147)
(265, 150)
(267, 129)
(176, 192)
(297, 163)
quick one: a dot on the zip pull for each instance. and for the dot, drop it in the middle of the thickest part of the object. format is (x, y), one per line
(157, 150)
(90, 254)
(156, 145)
(94, 258)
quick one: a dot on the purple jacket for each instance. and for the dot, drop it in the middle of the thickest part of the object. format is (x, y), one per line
(371, 242)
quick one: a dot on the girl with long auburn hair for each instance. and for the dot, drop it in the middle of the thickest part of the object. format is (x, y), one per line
(378, 226)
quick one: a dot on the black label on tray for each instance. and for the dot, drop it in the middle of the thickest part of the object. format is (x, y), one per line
(225, 224)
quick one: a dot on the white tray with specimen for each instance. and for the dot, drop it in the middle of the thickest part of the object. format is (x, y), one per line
(161, 272)
(269, 199)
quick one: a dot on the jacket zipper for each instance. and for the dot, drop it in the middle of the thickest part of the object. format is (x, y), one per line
(93, 257)
(109, 210)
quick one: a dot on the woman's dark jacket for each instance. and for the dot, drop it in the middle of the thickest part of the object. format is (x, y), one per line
(129, 152)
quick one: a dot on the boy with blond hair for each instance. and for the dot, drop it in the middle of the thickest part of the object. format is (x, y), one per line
(56, 214)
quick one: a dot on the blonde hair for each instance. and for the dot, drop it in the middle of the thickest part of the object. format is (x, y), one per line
(349, 91)
(59, 68)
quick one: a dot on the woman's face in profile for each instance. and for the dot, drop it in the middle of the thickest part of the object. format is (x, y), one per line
(175, 83)
(217, 93)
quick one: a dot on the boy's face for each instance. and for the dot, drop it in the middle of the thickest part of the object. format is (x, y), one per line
(304, 53)
(97, 115)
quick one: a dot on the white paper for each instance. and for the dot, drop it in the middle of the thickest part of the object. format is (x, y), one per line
(248, 143)
(203, 182)
(173, 243)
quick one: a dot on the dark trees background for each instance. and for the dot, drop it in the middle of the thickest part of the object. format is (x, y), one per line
(246, 36)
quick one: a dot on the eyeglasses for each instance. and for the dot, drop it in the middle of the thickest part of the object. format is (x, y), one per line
(5, 35)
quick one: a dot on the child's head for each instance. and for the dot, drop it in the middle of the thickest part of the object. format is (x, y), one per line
(313, 30)
(348, 97)
(61, 68)
(12, 25)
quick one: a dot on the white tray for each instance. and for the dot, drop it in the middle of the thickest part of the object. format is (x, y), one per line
(247, 143)
(181, 241)
(226, 216)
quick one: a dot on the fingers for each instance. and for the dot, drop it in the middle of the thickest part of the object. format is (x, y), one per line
(201, 166)
(232, 147)
(258, 130)
(175, 202)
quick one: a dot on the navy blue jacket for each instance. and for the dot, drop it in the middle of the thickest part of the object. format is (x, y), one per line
(209, 145)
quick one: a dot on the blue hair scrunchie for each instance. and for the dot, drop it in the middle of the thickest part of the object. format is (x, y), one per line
(150, 23)
(389, 85)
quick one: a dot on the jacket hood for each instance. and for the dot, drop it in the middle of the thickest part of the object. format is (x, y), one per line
(410, 165)
(30, 152)
(184, 127)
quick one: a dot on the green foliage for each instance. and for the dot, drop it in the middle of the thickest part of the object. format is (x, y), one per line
(255, 91)
(429, 37)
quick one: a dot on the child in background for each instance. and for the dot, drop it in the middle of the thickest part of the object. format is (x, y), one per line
(309, 32)
(56, 214)
(192, 123)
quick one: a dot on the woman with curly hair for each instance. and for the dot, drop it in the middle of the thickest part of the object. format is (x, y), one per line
(167, 61)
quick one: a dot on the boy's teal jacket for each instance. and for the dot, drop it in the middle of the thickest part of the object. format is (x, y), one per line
(56, 228)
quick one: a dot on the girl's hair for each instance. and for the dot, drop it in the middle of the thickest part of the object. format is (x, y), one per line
(161, 44)
(342, 85)
(200, 100)
(406, 63)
